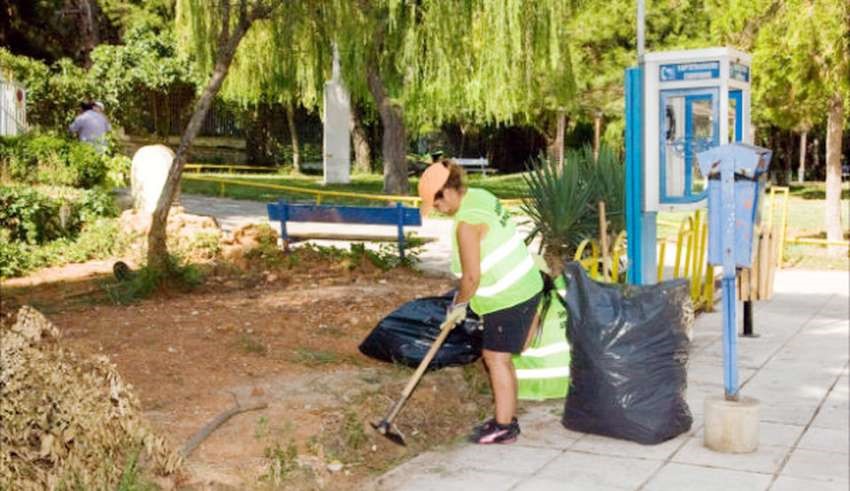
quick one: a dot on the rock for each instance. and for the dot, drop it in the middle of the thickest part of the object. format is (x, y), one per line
(148, 174)
(335, 466)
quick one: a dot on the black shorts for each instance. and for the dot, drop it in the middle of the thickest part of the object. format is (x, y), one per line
(506, 330)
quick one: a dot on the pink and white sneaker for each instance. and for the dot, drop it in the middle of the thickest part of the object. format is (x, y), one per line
(491, 432)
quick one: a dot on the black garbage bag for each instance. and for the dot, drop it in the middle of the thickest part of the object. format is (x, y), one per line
(629, 358)
(405, 335)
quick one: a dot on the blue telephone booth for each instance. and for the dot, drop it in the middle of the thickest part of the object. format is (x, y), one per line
(678, 104)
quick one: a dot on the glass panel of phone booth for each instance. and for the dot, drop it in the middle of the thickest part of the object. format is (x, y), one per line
(736, 116)
(689, 127)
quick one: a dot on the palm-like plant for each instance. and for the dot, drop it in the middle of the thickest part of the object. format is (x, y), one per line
(560, 205)
(563, 202)
(609, 175)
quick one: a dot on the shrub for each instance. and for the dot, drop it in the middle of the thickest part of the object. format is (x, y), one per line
(14, 258)
(29, 216)
(39, 215)
(48, 159)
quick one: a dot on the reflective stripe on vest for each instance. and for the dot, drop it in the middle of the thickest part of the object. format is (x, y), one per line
(509, 275)
(545, 351)
(537, 373)
(508, 280)
(543, 369)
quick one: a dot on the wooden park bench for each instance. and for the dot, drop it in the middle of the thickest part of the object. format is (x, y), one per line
(479, 165)
(398, 215)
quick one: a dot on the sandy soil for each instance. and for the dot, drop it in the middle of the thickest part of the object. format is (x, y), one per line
(287, 337)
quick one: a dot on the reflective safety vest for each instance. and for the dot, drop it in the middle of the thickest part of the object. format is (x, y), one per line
(543, 369)
(509, 275)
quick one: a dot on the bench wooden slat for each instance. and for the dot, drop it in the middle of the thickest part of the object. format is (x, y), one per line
(399, 216)
(346, 214)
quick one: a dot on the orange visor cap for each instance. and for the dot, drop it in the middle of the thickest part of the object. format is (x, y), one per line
(432, 180)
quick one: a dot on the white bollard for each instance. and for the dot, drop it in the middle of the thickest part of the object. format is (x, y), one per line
(732, 426)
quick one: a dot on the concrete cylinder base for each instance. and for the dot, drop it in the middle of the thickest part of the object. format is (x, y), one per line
(732, 426)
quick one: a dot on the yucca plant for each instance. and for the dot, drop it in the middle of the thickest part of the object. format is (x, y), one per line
(563, 203)
(560, 205)
(609, 175)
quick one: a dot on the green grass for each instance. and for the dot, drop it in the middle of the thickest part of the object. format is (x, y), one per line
(816, 190)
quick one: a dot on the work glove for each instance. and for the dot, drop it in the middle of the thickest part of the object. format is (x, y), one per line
(456, 313)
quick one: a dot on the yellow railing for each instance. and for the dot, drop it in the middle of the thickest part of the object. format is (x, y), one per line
(783, 231)
(229, 168)
(771, 209)
(691, 259)
(318, 194)
(592, 259)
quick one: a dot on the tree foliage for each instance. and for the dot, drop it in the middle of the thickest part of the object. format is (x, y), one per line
(801, 55)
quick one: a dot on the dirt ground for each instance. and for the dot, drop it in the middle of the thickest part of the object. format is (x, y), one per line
(287, 337)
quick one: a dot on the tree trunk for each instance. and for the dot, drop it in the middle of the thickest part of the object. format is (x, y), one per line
(360, 141)
(816, 153)
(394, 140)
(597, 134)
(801, 172)
(226, 49)
(88, 34)
(555, 145)
(835, 122)
(293, 135)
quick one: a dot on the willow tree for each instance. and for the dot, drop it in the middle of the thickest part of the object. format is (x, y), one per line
(492, 61)
(229, 21)
(801, 51)
(285, 60)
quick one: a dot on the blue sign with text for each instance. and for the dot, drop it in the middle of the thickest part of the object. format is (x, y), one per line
(690, 71)
(739, 72)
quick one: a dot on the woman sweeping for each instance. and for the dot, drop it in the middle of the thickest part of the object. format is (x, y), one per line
(498, 280)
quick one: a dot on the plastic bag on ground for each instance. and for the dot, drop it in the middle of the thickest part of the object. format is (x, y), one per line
(629, 358)
(543, 369)
(406, 334)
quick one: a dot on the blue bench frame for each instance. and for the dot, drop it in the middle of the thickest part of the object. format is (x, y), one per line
(399, 216)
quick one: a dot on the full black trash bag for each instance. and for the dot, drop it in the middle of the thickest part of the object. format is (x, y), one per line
(405, 335)
(629, 358)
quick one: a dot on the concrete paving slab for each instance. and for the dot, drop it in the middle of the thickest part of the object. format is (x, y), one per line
(766, 459)
(592, 471)
(678, 477)
(834, 418)
(790, 414)
(788, 483)
(456, 480)
(772, 434)
(549, 484)
(817, 465)
(826, 440)
(547, 434)
(512, 459)
(601, 445)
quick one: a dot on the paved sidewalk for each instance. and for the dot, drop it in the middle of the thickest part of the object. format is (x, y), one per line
(797, 368)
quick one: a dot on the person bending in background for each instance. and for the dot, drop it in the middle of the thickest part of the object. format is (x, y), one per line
(499, 280)
(91, 125)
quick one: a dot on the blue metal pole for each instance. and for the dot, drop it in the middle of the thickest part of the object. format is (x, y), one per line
(634, 173)
(727, 192)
